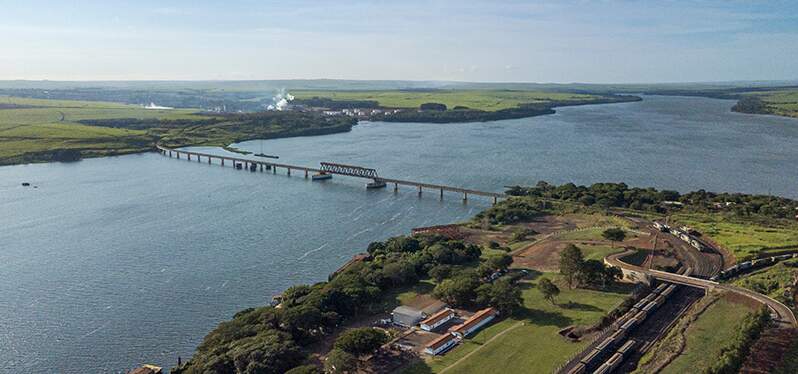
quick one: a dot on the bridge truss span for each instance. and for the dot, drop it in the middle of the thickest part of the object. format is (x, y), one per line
(350, 170)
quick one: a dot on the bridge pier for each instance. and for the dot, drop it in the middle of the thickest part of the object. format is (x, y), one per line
(419, 190)
(209, 160)
(441, 193)
(274, 170)
(289, 171)
(261, 168)
(170, 153)
(306, 174)
(495, 200)
(222, 161)
(396, 187)
(465, 196)
(188, 156)
(199, 159)
(178, 154)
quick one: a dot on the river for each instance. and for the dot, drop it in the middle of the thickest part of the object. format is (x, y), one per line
(113, 262)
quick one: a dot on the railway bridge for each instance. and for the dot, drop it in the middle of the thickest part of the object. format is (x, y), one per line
(780, 312)
(325, 168)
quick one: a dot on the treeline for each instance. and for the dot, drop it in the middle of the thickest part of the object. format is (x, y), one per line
(336, 104)
(267, 339)
(465, 115)
(148, 123)
(751, 105)
(619, 195)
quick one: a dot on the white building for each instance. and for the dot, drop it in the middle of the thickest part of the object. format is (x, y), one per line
(441, 344)
(476, 322)
(438, 319)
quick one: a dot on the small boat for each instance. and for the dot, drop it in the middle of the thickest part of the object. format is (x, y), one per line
(321, 176)
(25, 184)
(376, 184)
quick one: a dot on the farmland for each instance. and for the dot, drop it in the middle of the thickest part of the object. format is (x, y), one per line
(31, 128)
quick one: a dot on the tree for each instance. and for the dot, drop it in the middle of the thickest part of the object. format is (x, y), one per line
(360, 341)
(614, 235)
(611, 275)
(400, 272)
(458, 291)
(548, 289)
(500, 261)
(441, 272)
(506, 297)
(433, 106)
(590, 274)
(571, 260)
(339, 361)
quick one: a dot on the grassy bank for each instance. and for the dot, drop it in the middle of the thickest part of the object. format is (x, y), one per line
(707, 336)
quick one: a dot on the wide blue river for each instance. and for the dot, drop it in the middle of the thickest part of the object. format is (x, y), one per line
(114, 262)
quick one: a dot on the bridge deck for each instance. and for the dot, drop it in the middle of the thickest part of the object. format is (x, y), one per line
(495, 195)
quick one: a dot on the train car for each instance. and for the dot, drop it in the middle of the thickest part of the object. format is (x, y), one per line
(668, 291)
(622, 319)
(660, 288)
(627, 347)
(606, 344)
(580, 368)
(660, 300)
(590, 358)
(603, 369)
(640, 304)
(650, 307)
(618, 335)
(745, 265)
(641, 316)
(614, 361)
(630, 324)
(661, 227)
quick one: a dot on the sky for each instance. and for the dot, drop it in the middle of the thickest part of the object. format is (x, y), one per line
(477, 41)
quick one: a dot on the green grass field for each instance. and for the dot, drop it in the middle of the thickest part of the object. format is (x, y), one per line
(489, 100)
(781, 102)
(534, 346)
(744, 239)
(707, 335)
(46, 125)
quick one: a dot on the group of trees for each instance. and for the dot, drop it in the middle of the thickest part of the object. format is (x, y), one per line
(608, 195)
(267, 339)
(352, 344)
(510, 211)
(579, 272)
(473, 288)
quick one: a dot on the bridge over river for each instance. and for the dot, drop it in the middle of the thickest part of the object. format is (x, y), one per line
(326, 168)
